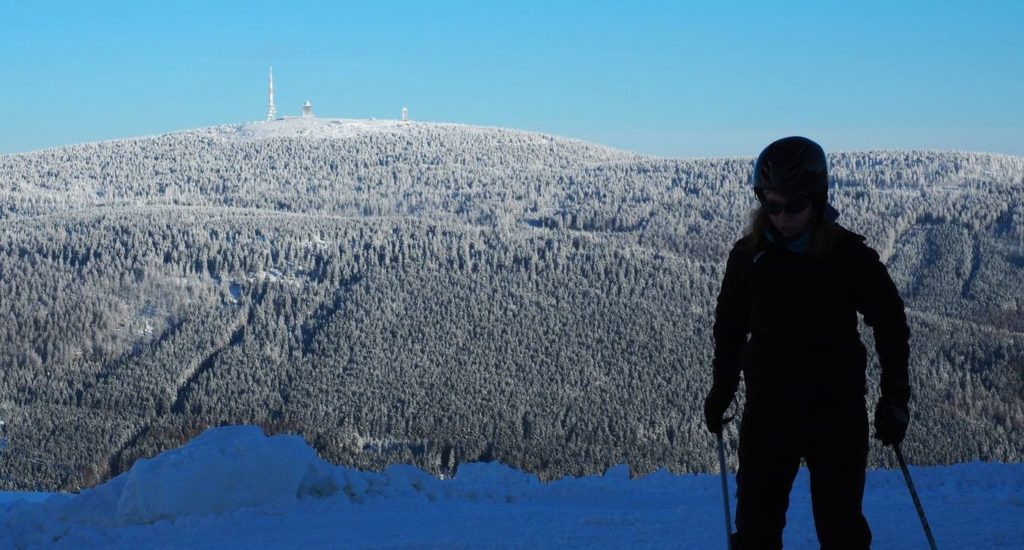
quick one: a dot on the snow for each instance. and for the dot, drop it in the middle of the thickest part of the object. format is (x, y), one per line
(324, 128)
(348, 128)
(235, 487)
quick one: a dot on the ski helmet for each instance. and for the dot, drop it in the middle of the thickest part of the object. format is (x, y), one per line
(791, 165)
(794, 165)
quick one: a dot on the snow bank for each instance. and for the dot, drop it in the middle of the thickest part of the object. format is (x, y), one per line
(236, 487)
(232, 468)
(220, 471)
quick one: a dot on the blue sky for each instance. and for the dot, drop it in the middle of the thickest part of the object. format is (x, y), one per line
(668, 78)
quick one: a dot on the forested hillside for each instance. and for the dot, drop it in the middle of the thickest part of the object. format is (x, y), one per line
(436, 294)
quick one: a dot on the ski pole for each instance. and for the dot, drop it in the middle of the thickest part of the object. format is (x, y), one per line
(725, 491)
(913, 494)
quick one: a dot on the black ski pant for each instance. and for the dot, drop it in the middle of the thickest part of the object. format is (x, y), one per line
(832, 437)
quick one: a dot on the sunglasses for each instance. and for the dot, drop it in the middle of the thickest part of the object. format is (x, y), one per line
(794, 205)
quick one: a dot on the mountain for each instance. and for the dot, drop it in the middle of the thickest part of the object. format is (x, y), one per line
(436, 294)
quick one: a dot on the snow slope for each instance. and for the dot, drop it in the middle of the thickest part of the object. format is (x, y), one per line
(306, 127)
(235, 487)
(346, 128)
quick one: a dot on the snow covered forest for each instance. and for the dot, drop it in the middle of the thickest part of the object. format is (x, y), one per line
(435, 294)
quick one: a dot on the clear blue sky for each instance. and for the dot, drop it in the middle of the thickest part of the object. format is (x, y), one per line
(669, 78)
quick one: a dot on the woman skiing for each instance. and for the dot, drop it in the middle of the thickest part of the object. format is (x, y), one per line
(787, 319)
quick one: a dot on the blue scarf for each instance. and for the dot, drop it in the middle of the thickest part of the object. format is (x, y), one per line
(797, 245)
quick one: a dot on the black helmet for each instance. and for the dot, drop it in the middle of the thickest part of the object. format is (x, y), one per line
(794, 165)
(791, 165)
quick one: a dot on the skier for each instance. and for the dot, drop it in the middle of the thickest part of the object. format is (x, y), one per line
(787, 319)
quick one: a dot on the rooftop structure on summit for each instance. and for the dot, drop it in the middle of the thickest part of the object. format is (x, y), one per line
(307, 107)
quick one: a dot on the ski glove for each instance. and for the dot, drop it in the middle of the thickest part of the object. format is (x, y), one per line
(891, 420)
(715, 405)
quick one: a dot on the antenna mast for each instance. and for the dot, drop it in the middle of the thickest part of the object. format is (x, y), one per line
(271, 110)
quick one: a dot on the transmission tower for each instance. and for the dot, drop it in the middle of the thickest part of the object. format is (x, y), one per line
(271, 110)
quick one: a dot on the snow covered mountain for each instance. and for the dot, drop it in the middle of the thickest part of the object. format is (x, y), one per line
(436, 294)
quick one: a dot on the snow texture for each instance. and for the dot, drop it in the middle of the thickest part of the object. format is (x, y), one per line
(347, 128)
(234, 487)
(306, 127)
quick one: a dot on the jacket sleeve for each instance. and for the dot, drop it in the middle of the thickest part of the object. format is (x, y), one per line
(879, 302)
(732, 315)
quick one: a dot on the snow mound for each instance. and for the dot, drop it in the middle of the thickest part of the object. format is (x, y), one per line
(233, 468)
(222, 470)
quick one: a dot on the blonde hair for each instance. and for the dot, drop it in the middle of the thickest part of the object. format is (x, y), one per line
(823, 232)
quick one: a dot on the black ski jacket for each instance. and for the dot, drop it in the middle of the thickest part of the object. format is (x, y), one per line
(789, 322)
